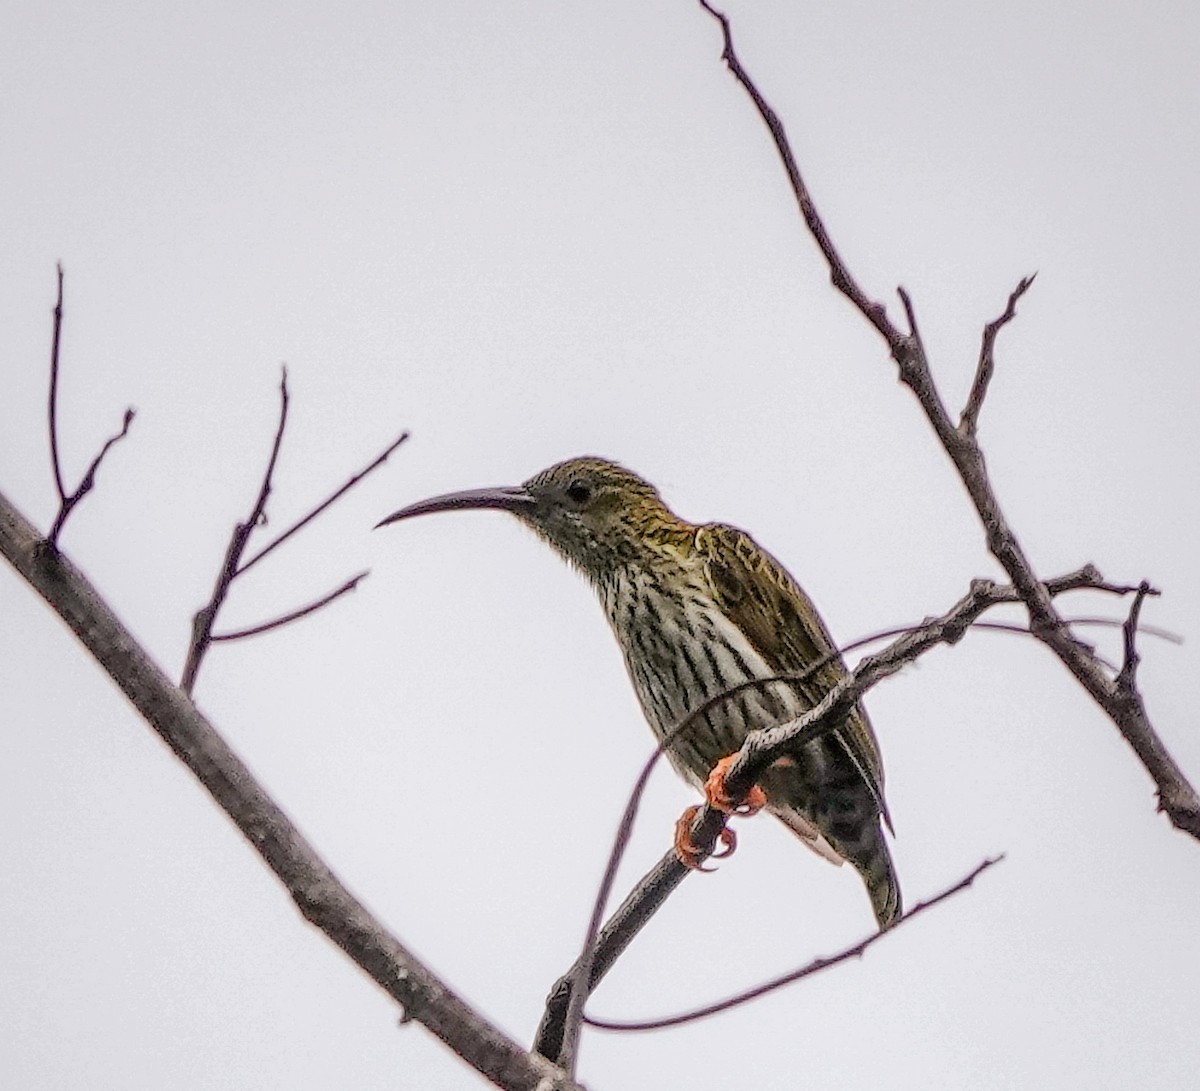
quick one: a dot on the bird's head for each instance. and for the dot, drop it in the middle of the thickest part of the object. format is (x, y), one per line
(597, 514)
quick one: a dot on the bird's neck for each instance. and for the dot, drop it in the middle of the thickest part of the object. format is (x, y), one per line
(661, 565)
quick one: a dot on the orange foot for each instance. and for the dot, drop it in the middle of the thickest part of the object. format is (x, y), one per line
(714, 788)
(689, 853)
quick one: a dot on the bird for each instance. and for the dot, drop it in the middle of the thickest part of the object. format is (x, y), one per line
(718, 640)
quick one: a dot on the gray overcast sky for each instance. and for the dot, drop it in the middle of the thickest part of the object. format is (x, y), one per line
(532, 230)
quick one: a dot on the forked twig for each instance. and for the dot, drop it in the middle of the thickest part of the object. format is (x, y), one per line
(233, 566)
(968, 422)
(336, 495)
(205, 617)
(67, 501)
(1127, 677)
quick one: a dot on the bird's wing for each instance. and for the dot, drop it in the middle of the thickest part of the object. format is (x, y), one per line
(784, 627)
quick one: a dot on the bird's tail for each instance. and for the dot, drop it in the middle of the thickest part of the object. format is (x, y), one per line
(864, 846)
(849, 818)
(879, 874)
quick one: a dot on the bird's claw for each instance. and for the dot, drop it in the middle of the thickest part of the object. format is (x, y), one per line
(689, 853)
(720, 799)
(729, 840)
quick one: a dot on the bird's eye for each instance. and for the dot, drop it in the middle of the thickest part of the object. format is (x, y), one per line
(579, 492)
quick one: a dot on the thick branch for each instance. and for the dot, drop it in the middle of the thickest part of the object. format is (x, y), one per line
(320, 896)
(1118, 697)
(635, 912)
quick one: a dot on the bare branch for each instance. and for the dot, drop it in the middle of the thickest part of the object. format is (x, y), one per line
(336, 495)
(814, 967)
(839, 273)
(646, 898)
(763, 747)
(295, 615)
(1122, 703)
(205, 617)
(602, 947)
(67, 501)
(968, 423)
(318, 893)
(232, 565)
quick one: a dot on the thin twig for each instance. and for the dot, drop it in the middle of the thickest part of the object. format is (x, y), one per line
(206, 616)
(840, 276)
(1143, 630)
(1177, 798)
(59, 484)
(814, 967)
(233, 566)
(67, 501)
(567, 1049)
(910, 315)
(295, 615)
(336, 495)
(1127, 678)
(968, 422)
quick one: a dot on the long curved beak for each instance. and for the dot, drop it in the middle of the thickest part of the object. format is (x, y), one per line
(515, 499)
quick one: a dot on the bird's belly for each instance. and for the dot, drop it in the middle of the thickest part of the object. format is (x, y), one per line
(701, 684)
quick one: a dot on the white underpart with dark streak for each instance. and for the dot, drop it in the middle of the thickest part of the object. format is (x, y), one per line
(673, 675)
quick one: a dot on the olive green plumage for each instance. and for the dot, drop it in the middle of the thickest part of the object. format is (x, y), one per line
(698, 611)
